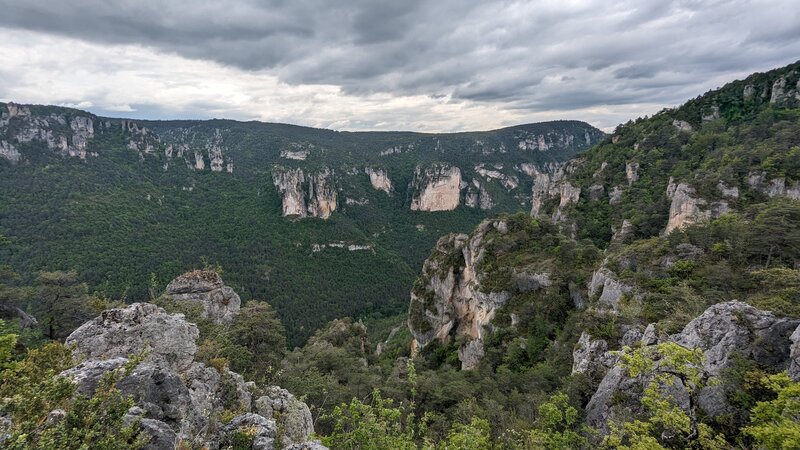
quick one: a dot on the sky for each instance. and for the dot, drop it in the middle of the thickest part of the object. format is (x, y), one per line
(418, 65)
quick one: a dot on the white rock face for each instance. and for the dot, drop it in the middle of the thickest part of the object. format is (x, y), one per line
(9, 152)
(457, 299)
(67, 138)
(549, 182)
(508, 181)
(379, 179)
(290, 184)
(686, 209)
(773, 188)
(300, 155)
(436, 188)
(312, 195)
(632, 172)
(682, 125)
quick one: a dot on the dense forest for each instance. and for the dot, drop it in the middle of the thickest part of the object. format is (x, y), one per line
(132, 218)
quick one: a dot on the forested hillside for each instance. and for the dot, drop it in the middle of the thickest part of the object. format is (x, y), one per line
(128, 205)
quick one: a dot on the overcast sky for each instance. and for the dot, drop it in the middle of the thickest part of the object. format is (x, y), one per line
(422, 65)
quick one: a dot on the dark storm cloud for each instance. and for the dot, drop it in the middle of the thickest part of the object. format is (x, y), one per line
(524, 54)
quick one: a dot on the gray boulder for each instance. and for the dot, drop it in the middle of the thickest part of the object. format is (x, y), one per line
(722, 332)
(794, 364)
(294, 420)
(220, 303)
(121, 332)
(260, 430)
(87, 374)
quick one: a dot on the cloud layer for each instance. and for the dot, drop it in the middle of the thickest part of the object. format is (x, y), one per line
(379, 64)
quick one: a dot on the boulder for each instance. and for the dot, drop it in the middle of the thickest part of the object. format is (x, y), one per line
(167, 338)
(292, 416)
(220, 303)
(259, 430)
(722, 332)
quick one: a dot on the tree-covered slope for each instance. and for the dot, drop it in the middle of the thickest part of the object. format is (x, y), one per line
(119, 200)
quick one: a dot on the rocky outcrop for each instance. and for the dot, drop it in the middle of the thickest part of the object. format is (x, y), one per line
(794, 363)
(168, 339)
(507, 181)
(609, 289)
(549, 182)
(682, 125)
(477, 196)
(66, 134)
(632, 172)
(591, 356)
(448, 294)
(784, 92)
(178, 400)
(292, 416)
(312, 195)
(775, 187)
(436, 188)
(220, 303)
(686, 209)
(379, 179)
(724, 331)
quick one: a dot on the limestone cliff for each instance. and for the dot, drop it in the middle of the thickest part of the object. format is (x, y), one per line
(448, 294)
(179, 400)
(686, 209)
(306, 195)
(65, 134)
(436, 188)
(379, 179)
(550, 182)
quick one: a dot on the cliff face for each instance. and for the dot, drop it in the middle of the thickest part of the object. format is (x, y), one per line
(379, 179)
(303, 195)
(178, 399)
(550, 182)
(68, 135)
(436, 188)
(448, 295)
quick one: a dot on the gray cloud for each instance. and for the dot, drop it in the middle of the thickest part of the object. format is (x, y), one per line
(521, 55)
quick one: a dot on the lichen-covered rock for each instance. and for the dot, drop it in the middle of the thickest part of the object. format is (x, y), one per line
(168, 339)
(470, 354)
(310, 445)
(87, 374)
(260, 430)
(177, 398)
(220, 303)
(293, 418)
(610, 290)
(722, 332)
(436, 188)
(591, 357)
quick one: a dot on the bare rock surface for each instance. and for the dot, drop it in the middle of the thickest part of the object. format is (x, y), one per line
(220, 303)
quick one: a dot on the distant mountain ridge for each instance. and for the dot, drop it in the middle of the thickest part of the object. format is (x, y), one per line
(117, 199)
